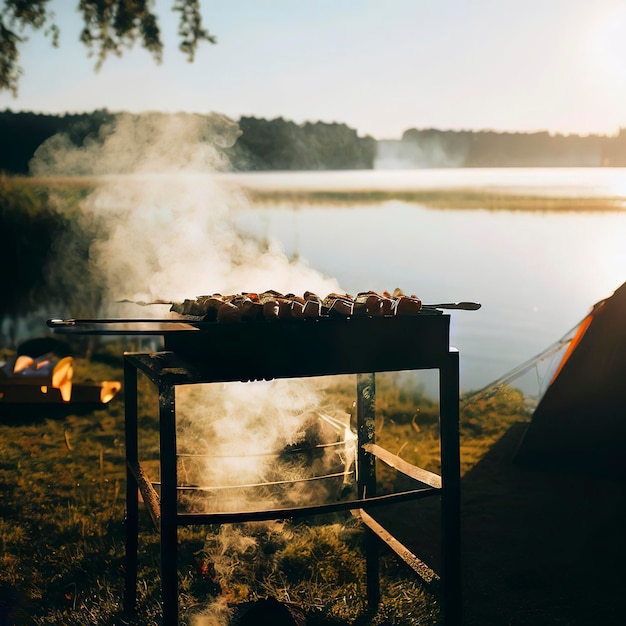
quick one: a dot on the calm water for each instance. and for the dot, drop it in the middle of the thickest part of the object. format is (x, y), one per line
(598, 182)
(536, 273)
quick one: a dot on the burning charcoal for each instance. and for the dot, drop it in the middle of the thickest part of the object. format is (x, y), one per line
(406, 305)
(228, 312)
(309, 295)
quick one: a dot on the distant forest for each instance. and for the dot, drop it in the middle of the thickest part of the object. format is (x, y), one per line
(279, 144)
(437, 148)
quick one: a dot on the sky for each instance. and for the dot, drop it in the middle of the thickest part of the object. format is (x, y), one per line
(379, 66)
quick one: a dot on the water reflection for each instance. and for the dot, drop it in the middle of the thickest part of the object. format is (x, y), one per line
(571, 182)
(535, 273)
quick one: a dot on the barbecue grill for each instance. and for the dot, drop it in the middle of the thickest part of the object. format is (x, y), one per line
(204, 352)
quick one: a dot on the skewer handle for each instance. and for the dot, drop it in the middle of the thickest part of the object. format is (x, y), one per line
(464, 306)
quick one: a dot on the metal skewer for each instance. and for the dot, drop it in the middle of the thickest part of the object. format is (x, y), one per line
(57, 323)
(54, 323)
(464, 306)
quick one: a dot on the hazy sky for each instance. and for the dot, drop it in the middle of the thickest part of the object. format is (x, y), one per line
(380, 66)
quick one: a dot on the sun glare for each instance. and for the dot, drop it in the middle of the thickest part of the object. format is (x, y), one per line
(608, 44)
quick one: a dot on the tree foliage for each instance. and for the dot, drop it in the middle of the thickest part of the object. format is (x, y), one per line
(44, 253)
(262, 145)
(280, 144)
(22, 133)
(466, 148)
(110, 27)
(28, 229)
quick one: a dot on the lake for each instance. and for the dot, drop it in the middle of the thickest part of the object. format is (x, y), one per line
(535, 272)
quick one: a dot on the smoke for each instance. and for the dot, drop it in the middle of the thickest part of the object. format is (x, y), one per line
(255, 445)
(168, 233)
(421, 152)
(168, 230)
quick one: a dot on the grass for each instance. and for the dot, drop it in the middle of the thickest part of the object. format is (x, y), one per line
(535, 551)
(442, 199)
(62, 535)
(72, 189)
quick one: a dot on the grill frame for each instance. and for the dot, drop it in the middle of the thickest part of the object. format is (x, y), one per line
(204, 353)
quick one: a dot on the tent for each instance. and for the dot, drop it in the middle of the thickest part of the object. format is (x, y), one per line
(580, 421)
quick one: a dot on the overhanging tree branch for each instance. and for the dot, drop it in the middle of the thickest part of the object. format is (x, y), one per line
(110, 27)
(15, 17)
(190, 28)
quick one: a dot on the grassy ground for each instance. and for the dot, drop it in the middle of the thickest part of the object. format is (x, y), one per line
(538, 548)
(492, 199)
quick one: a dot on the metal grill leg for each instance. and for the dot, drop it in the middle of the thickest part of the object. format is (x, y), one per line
(169, 507)
(366, 467)
(132, 506)
(451, 493)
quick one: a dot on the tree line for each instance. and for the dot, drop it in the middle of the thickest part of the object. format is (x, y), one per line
(507, 149)
(280, 144)
(263, 145)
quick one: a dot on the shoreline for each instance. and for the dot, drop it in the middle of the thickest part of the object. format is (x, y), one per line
(448, 198)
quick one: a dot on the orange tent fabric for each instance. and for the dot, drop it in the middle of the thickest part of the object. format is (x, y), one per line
(581, 418)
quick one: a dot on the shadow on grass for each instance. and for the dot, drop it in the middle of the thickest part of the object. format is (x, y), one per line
(539, 547)
(33, 414)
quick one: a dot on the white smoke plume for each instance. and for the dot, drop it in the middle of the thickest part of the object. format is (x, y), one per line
(170, 234)
(238, 439)
(169, 230)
